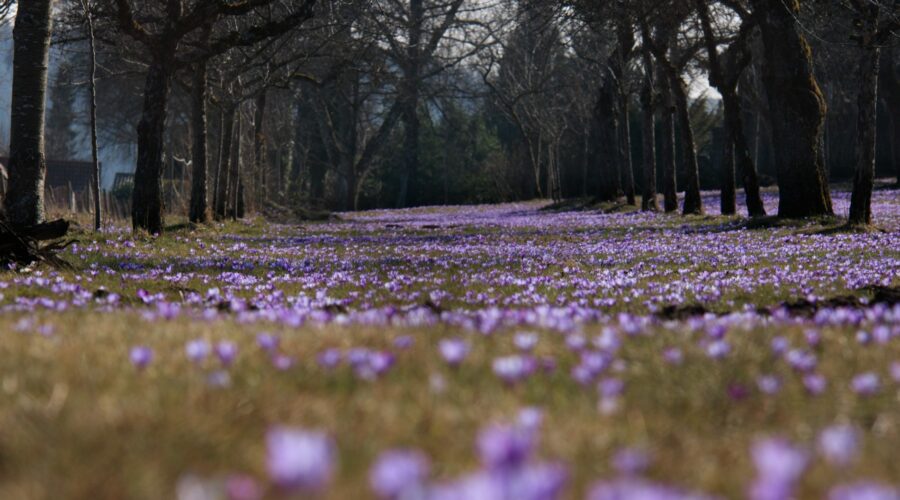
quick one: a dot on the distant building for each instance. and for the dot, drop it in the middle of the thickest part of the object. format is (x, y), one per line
(122, 179)
(60, 173)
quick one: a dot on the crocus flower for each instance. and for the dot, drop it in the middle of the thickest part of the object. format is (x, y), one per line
(718, 349)
(226, 352)
(454, 351)
(141, 356)
(514, 368)
(525, 341)
(267, 342)
(403, 342)
(503, 447)
(329, 358)
(634, 488)
(298, 459)
(814, 383)
(197, 350)
(631, 461)
(399, 474)
(282, 362)
(241, 487)
(778, 467)
(864, 490)
(768, 384)
(895, 371)
(839, 444)
(865, 384)
(673, 356)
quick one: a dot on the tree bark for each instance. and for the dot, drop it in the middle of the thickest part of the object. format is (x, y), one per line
(626, 169)
(624, 48)
(727, 198)
(797, 110)
(235, 186)
(867, 105)
(147, 204)
(889, 95)
(606, 142)
(410, 96)
(667, 147)
(24, 201)
(693, 203)
(259, 144)
(648, 139)
(92, 92)
(199, 211)
(224, 166)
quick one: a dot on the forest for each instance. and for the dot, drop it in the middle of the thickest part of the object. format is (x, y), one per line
(450, 249)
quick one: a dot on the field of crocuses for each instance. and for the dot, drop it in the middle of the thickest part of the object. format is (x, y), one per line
(492, 352)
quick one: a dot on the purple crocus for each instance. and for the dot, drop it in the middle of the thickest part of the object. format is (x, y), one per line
(815, 384)
(512, 369)
(197, 350)
(242, 487)
(454, 351)
(282, 362)
(504, 447)
(525, 341)
(399, 474)
(864, 490)
(865, 384)
(839, 444)
(768, 384)
(718, 349)
(778, 467)
(141, 356)
(631, 461)
(226, 351)
(895, 371)
(298, 459)
(267, 342)
(404, 342)
(673, 356)
(329, 358)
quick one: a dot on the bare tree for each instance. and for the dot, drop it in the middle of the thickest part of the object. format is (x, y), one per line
(24, 201)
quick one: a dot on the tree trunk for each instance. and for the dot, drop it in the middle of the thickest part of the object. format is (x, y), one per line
(667, 152)
(889, 94)
(606, 142)
(693, 203)
(624, 48)
(199, 211)
(92, 92)
(24, 201)
(259, 143)
(235, 185)
(797, 110)
(147, 204)
(727, 200)
(735, 135)
(294, 181)
(224, 166)
(626, 168)
(648, 140)
(867, 104)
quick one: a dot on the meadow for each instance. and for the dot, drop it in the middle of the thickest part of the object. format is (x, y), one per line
(488, 352)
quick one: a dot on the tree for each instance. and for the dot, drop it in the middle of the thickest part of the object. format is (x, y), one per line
(648, 139)
(671, 70)
(876, 23)
(92, 93)
(162, 32)
(24, 201)
(724, 75)
(796, 108)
